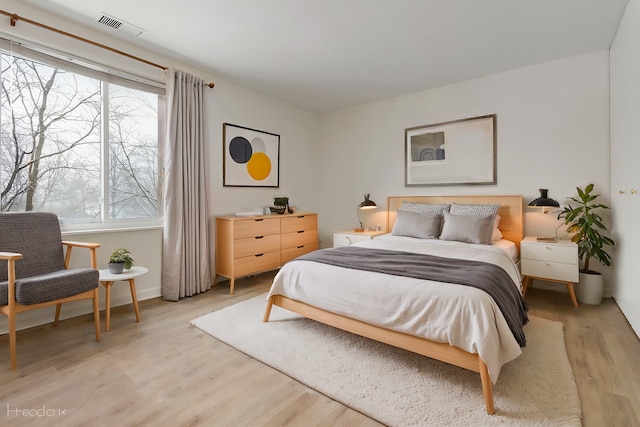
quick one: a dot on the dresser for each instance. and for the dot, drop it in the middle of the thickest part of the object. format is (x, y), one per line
(349, 237)
(550, 261)
(247, 245)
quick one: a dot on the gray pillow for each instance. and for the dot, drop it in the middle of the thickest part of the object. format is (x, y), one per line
(420, 225)
(431, 208)
(468, 228)
(474, 209)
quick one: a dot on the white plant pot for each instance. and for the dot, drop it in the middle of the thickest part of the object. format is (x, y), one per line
(590, 288)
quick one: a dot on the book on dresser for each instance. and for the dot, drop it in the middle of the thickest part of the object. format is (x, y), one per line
(247, 245)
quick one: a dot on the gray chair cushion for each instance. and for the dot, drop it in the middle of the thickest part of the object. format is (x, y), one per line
(35, 235)
(40, 274)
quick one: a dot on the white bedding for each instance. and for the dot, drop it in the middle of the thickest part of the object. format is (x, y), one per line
(462, 316)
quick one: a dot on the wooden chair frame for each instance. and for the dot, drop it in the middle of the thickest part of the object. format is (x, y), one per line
(12, 308)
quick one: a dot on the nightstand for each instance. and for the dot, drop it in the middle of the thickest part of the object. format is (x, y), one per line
(349, 237)
(550, 261)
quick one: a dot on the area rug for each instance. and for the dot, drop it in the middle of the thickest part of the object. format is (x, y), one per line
(400, 388)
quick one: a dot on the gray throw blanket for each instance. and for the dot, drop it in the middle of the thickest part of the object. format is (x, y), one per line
(485, 276)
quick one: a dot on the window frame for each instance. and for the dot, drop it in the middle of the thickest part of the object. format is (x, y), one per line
(106, 75)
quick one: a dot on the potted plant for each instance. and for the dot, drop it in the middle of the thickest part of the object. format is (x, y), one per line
(119, 260)
(280, 204)
(586, 224)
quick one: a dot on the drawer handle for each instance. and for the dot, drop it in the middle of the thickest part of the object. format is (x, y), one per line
(301, 231)
(301, 216)
(547, 263)
(300, 247)
(349, 240)
(259, 237)
(259, 219)
(259, 255)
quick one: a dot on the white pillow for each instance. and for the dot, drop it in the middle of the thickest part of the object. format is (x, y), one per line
(497, 234)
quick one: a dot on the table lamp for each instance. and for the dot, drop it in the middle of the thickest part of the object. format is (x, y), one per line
(366, 204)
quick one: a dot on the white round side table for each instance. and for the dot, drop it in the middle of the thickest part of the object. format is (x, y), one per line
(108, 279)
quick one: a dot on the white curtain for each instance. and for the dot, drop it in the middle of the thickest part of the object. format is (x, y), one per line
(185, 255)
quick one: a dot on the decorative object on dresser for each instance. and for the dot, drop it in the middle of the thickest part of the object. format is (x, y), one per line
(544, 201)
(253, 244)
(587, 226)
(451, 153)
(280, 205)
(349, 237)
(551, 261)
(251, 158)
(366, 204)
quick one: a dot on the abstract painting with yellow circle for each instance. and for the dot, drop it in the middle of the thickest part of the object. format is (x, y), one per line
(251, 157)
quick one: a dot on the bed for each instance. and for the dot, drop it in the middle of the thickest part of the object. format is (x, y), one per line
(457, 324)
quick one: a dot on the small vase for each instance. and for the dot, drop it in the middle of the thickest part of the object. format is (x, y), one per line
(116, 267)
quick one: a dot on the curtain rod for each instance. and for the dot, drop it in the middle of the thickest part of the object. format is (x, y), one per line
(14, 18)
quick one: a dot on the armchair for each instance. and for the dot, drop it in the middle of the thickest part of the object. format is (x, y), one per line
(34, 270)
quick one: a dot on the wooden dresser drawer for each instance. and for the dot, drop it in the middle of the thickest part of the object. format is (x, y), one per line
(252, 264)
(299, 238)
(256, 227)
(255, 245)
(291, 253)
(549, 252)
(549, 270)
(299, 223)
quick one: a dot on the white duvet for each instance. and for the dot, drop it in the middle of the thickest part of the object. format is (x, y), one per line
(462, 316)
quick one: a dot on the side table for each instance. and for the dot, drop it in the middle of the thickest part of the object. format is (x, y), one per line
(555, 261)
(108, 279)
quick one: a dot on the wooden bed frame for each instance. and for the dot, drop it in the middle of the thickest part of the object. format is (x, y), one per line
(511, 226)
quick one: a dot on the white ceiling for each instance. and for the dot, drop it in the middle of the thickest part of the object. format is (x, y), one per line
(325, 55)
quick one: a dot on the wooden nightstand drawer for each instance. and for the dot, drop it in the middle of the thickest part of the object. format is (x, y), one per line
(549, 270)
(345, 239)
(549, 252)
(255, 245)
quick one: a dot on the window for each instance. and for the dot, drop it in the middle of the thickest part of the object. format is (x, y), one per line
(77, 141)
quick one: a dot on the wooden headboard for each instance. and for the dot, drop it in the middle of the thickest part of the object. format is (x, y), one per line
(511, 223)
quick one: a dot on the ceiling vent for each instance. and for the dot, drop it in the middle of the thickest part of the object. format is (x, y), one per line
(120, 25)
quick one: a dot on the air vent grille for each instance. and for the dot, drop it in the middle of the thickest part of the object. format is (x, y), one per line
(120, 25)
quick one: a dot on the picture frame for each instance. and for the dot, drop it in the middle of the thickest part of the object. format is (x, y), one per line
(456, 152)
(250, 158)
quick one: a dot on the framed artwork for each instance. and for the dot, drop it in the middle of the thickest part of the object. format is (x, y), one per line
(251, 158)
(452, 153)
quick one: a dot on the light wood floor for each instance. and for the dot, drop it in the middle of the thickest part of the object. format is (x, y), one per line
(162, 371)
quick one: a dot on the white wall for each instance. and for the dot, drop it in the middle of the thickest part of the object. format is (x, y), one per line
(553, 132)
(625, 152)
(227, 102)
